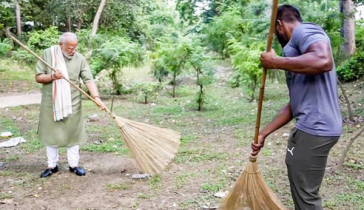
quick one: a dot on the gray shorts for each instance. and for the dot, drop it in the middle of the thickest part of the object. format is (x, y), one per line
(306, 160)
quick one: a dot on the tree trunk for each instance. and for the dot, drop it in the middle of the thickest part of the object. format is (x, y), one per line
(68, 24)
(350, 111)
(79, 23)
(342, 159)
(174, 85)
(200, 101)
(347, 9)
(18, 19)
(95, 23)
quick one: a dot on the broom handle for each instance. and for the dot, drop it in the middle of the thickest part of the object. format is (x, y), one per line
(269, 46)
(49, 66)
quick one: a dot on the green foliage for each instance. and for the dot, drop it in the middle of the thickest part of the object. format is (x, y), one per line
(193, 11)
(171, 58)
(352, 69)
(148, 90)
(5, 47)
(7, 14)
(202, 65)
(112, 55)
(40, 40)
(158, 24)
(245, 60)
(359, 36)
(222, 28)
(23, 57)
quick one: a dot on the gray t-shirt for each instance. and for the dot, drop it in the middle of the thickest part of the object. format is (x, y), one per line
(313, 98)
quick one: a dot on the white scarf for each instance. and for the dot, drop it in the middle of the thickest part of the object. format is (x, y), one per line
(61, 90)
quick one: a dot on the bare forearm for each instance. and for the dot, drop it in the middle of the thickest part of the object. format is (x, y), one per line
(281, 119)
(91, 86)
(44, 78)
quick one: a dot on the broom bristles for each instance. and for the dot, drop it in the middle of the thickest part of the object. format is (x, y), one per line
(152, 147)
(251, 191)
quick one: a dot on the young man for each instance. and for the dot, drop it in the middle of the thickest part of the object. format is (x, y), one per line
(311, 80)
(61, 121)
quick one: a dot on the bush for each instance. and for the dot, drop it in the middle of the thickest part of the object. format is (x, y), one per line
(24, 57)
(114, 54)
(352, 69)
(148, 90)
(5, 47)
(40, 40)
(246, 63)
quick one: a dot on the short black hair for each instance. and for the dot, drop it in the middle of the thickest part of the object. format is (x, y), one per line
(288, 13)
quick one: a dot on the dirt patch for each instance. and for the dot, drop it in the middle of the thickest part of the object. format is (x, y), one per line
(64, 189)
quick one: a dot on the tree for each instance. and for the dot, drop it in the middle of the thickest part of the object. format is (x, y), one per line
(245, 60)
(347, 148)
(350, 111)
(171, 56)
(194, 11)
(348, 27)
(18, 19)
(147, 90)
(202, 65)
(7, 15)
(112, 55)
(95, 23)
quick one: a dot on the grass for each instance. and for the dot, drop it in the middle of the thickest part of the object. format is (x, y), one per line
(156, 182)
(12, 158)
(212, 187)
(12, 174)
(16, 78)
(8, 124)
(144, 195)
(6, 196)
(108, 146)
(120, 186)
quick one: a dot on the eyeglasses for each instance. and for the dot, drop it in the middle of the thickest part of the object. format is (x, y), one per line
(71, 49)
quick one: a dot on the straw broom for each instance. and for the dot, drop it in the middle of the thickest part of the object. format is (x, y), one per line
(152, 147)
(250, 190)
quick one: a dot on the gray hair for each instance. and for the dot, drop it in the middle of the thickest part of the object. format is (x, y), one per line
(67, 36)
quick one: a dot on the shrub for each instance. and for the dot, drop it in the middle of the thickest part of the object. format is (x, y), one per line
(246, 63)
(114, 54)
(5, 47)
(148, 90)
(352, 69)
(40, 40)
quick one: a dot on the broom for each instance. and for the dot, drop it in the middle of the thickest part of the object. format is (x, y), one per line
(152, 147)
(250, 190)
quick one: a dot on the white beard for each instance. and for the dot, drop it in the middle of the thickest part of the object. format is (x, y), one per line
(67, 56)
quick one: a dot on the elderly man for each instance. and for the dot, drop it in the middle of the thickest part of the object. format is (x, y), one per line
(61, 121)
(311, 80)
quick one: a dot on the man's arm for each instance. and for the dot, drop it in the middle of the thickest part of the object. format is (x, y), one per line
(44, 78)
(91, 86)
(48, 78)
(317, 59)
(281, 119)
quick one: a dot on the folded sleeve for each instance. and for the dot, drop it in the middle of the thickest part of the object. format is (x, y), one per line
(85, 73)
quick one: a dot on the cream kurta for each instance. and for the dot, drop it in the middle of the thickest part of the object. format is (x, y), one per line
(71, 130)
